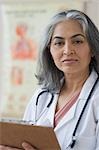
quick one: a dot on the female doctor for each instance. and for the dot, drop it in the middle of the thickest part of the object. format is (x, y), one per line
(68, 74)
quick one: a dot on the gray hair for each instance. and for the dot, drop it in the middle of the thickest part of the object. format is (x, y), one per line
(48, 74)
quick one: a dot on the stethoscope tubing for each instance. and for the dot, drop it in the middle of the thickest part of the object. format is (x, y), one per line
(48, 105)
(77, 124)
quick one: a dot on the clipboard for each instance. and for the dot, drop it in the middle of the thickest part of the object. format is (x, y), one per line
(13, 134)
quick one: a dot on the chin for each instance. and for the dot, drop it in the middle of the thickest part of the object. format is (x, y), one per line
(70, 71)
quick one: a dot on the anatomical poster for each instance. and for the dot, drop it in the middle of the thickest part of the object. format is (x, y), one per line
(21, 28)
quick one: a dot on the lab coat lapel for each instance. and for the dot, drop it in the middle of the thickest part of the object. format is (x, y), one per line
(51, 112)
(76, 109)
(68, 116)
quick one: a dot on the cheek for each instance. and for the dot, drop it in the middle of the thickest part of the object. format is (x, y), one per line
(86, 58)
(85, 52)
(56, 58)
(53, 54)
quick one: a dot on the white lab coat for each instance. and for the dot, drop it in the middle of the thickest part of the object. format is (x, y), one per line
(87, 135)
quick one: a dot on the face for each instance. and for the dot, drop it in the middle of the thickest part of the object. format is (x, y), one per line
(69, 47)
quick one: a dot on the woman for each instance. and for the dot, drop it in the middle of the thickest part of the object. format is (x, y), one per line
(68, 98)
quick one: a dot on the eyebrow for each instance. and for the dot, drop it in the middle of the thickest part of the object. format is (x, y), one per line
(58, 37)
(78, 35)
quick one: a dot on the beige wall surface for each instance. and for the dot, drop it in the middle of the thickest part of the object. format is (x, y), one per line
(17, 70)
(92, 9)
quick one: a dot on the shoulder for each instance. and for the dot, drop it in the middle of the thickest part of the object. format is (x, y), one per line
(39, 93)
(32, 104)
(93, 82)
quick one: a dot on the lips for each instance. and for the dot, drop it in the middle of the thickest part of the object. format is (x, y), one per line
(69, 60)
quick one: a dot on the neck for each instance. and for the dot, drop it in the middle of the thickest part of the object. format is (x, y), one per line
(74, 82)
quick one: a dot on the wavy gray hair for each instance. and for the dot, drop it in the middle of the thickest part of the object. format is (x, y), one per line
(47, 72)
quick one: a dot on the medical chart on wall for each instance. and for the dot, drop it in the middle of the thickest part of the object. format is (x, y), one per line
(21, 30)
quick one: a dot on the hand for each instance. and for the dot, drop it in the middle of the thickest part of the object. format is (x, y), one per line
(26, 146)
(2, 147)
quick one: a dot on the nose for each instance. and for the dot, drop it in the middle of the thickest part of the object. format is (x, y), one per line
(68, 49)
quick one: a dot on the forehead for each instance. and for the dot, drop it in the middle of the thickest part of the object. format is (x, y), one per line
(68, 28)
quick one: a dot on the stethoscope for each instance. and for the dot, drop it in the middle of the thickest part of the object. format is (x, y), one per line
(48, 105)
(72, 144)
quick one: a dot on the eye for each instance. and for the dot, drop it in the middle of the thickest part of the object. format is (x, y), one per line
(78, 41)
(59, 43)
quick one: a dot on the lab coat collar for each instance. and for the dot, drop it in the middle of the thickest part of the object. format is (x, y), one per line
(81, 100)
(88, 85)
(78, 106)
(51, 112)
(74, 112)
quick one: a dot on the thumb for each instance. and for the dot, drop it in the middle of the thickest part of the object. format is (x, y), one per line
(27, 146)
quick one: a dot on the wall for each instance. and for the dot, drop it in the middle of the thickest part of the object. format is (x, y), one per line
(92, 9)
(17, 79)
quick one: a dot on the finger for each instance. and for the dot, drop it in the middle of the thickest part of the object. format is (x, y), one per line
(2, 147)
(27, 146)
